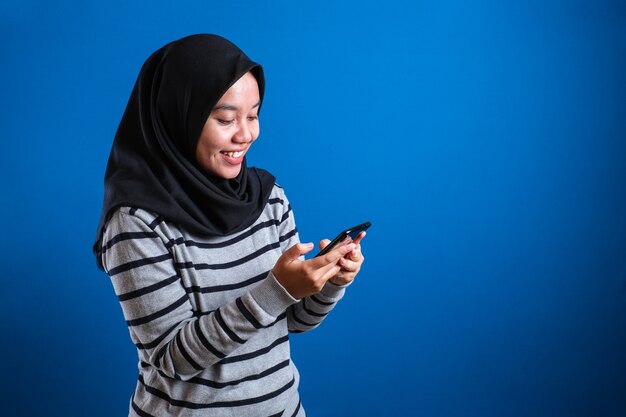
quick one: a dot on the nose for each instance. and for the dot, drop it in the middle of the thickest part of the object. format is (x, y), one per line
(243, 134)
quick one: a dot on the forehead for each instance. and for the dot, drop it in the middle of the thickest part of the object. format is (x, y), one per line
(244, 91)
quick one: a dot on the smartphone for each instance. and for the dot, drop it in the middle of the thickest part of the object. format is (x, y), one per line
(353, 232)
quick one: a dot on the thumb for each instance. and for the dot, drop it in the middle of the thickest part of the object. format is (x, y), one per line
(323, 243)
(298, 250)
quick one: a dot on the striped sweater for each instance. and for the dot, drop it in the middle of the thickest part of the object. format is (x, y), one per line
(208, 318)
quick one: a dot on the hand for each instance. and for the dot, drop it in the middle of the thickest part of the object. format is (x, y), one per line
(350, 264)
(304, 278)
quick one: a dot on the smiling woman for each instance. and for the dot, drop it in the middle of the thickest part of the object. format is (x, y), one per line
(203, 252)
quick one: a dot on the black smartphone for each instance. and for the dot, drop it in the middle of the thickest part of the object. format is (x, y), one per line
(353, 232)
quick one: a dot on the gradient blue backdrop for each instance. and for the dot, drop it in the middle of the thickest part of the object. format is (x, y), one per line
(485, 140)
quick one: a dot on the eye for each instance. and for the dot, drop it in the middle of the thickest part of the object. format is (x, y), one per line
(253, 118)
(225, 122)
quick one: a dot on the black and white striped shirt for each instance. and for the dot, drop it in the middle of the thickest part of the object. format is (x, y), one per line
(208, 318)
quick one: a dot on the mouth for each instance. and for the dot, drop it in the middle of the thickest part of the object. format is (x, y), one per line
(235, 155)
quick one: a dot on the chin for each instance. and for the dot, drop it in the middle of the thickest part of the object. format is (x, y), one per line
(228, 174)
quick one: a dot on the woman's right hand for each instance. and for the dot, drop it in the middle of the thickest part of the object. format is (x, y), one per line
(304, 278)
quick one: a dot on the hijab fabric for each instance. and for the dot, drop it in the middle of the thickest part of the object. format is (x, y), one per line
(152, 164)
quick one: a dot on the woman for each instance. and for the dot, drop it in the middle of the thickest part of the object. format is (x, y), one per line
(202, 251)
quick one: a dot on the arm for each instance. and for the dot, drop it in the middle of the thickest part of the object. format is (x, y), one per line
(158, 311)
(310, 311)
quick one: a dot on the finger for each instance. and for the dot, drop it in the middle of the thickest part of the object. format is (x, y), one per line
(356, 255)
(328, 271)
(331, 272)
(348, 265)
(323, 243)
(360, 237)
(297, 250)
(332, 257)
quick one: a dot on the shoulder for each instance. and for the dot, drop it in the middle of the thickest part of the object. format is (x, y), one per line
(132, 217)
(278, 199)
(133, 222)
(278, 192)
(129, 232)
(278, 207)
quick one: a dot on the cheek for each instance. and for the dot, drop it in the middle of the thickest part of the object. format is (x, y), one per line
(206, 152)
(209, 142)
(209, 153)
(255, 132)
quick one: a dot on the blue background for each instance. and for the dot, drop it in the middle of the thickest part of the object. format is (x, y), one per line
(485, 140)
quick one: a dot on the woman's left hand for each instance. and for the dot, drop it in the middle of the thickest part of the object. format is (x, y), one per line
(350, 264)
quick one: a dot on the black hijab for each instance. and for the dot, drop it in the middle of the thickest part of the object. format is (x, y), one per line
(152, 164)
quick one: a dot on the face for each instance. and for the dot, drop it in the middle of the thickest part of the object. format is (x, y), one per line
(230, 129)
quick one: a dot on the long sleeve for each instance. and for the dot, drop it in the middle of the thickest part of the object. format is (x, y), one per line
(175, 339)
(309, 312)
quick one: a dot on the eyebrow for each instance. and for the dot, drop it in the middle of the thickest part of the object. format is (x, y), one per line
(232, 107)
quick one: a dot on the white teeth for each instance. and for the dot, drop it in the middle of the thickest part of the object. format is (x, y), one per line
(234, 154)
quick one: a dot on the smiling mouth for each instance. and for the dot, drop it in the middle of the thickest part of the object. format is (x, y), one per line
(237, 154)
